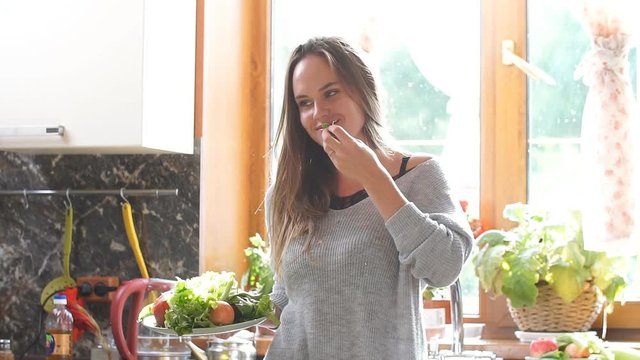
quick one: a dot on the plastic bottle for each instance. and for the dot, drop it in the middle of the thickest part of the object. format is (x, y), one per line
(58, 326)
(5, 350)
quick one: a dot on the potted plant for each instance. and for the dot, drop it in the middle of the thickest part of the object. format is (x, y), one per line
(259, 275)
(550, 281)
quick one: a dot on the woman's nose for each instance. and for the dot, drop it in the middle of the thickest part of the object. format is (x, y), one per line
(320, 111)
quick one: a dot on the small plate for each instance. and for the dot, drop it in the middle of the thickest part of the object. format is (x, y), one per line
(150, 322)
(526, 336)
(591, 357)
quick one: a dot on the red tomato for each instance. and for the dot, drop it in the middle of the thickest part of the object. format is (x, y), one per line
(160, 307)
(575, 351)
(222, 314)
(542, 346)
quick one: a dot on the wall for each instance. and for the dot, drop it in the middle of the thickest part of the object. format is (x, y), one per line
(31, 237)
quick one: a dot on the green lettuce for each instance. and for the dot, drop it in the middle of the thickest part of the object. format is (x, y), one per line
(193, 298)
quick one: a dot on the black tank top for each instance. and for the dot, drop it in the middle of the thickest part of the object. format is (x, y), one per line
(343, 202)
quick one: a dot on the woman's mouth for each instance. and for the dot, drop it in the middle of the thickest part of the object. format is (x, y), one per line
(325, 125)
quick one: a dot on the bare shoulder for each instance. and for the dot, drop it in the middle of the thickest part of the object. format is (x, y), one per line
(417, 159)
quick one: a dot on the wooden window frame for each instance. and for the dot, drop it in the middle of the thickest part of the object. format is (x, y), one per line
(503, 178)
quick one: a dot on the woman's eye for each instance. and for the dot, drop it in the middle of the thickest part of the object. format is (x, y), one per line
(331, 93)
(304, 103)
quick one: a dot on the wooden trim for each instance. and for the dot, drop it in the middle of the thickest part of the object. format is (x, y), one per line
(503, 131)
(258, 106)
(503, 112)
(233, 167)
(625, 316)
(197, 116)
(437, 304)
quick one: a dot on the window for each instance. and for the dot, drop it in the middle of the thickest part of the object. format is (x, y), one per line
(557, 42)
(527, 138)
(517, 134)
(429, 83)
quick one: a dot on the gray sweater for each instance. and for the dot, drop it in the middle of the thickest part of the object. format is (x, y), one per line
(357, 294)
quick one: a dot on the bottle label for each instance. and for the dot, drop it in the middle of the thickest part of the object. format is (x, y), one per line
(58, 344)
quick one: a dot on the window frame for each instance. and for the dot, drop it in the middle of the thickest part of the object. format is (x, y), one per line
(503, 178)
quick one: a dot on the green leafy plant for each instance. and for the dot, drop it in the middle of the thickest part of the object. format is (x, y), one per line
(544, 247)
(259, 275)
(433, 293)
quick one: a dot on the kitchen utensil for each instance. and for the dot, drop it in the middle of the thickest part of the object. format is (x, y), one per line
(231, 349)
(162, 347)
(197, 352)
(136, 288)
(528, 336)
(60, 283)
(150, 323)
(133, 238)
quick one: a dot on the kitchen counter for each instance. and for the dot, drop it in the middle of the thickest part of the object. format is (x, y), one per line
(506, 349)
(510, 349)
(43, 357)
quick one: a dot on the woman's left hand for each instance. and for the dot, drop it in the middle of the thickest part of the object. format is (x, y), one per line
(351, 156)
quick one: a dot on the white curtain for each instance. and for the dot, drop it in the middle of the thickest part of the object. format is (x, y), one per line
(609, 142)
(444, 43)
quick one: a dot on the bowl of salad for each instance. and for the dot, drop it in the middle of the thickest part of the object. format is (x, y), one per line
(208, 304)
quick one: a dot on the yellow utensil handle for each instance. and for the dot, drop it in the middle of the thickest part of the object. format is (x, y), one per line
(133, 238)
(68, 234)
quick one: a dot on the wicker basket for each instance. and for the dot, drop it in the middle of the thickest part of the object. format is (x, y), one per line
(551, 313)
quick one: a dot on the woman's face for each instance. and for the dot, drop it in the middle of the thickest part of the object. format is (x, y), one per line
(322, 97)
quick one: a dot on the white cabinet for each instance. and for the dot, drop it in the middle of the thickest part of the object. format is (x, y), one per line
(117, 75)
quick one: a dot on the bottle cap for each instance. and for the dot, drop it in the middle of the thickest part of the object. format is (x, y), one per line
(5, 344)
(60, 299)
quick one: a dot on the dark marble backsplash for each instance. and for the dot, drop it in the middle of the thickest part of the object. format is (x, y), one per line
(31, 231)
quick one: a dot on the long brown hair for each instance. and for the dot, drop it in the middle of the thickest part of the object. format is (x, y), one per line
(301, 193)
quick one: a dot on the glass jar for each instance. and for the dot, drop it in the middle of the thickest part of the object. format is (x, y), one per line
(5, 350)
(231, 349)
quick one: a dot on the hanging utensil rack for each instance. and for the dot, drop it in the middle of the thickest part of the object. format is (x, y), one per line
(115, 192)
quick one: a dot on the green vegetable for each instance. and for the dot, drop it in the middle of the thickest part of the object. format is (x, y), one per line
(621, 353)
(585, 340)
(193, 298)
(325, 125)
(147, 310)
(253, 305)
(555, 354)
(259, 274)
(544, 248)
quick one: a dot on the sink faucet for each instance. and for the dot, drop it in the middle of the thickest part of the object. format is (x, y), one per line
(457, 342)
(456, 318)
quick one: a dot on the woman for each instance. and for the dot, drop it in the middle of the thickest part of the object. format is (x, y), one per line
(357, 229)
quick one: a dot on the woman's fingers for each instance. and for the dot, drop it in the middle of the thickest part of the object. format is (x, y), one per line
(340, 133)
(336, 137)
(329, 142)
(337, 141)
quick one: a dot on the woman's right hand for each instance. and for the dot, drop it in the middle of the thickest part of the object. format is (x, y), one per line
(351, 156)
